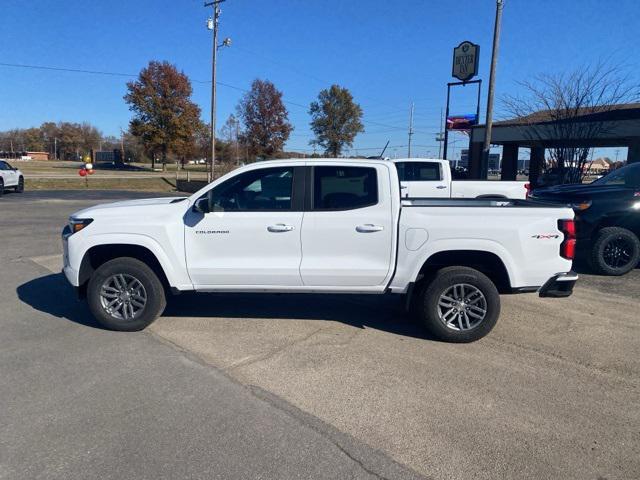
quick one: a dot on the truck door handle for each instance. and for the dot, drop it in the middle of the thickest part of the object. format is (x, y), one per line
(280, 227)
(368, 228)
(440, 187)
(403, 187)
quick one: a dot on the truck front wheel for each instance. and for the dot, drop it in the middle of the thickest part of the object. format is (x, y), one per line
(458, 304)
(124, 294)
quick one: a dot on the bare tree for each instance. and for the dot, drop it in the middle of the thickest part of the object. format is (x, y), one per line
(571, 109)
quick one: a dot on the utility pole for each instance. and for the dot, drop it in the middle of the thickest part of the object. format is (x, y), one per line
(484, 163)
(410, 130)
(440, 137)
(121, 145)
(237, 142)
(213, 24)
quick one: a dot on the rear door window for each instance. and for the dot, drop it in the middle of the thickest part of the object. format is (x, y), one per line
(344, 188)
(426, 171)
(418, 171)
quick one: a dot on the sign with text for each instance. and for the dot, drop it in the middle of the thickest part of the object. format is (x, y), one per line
(461, 122)
(465, 61)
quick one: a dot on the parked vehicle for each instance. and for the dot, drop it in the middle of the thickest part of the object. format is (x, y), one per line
(608, 218)
(432, 178)
(319, 226)
(10, 178)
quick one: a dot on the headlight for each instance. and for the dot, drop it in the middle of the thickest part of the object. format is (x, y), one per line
(581, 205)
(78, 224)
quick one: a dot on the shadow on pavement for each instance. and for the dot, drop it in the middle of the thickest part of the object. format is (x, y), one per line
(52, 294)
(581, 265)
(380, 312)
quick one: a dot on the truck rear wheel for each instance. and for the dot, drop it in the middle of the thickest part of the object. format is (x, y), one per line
(616, 251)
(124, 294)
(458, 304)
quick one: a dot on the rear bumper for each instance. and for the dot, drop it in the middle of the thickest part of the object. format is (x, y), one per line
(559, 286)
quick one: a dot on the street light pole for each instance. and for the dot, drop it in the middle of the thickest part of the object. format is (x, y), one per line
(214, 26)
(484, 163)
(410, 130)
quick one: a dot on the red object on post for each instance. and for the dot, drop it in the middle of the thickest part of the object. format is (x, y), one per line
(82, 172)
(90, 172)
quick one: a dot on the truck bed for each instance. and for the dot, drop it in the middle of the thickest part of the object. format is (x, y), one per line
(523, 234)
(476, 202)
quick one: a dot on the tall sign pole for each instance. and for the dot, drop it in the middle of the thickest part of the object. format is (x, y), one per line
(492, 77)
(466, 57)
(214, 26)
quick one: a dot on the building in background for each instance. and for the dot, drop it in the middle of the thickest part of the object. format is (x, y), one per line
(25, 155)
(599, 165)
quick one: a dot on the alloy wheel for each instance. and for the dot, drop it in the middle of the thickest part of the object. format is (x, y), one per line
(123, 296)
(617, 252)
(462, 307)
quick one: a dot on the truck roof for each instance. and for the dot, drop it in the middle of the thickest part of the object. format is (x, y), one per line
(354, 161)
(414, 159)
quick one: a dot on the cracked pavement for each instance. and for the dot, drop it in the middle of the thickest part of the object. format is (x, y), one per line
(552, 392)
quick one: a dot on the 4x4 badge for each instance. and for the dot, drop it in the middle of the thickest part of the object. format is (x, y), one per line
(544, 237)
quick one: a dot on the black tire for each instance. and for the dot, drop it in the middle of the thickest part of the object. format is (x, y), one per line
(1, 187)
(616, 251)
(20, 186)
(125, 268)
(429, 311)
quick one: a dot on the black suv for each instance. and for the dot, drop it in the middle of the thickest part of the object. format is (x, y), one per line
(607, 218)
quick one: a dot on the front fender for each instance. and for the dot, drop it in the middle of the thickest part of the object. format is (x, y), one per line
(171, 263)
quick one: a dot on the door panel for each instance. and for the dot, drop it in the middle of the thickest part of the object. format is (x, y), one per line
(422, 179)
(9, 176)
(244, 248)
(347, 236)
(251, 236)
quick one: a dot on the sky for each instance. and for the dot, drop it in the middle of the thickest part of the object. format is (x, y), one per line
(389, 54)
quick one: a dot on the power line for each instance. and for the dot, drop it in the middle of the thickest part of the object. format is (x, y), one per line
(389, 128)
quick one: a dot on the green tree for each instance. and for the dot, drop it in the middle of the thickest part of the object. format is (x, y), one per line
(265, 119)
(165, 118)
(335, 120)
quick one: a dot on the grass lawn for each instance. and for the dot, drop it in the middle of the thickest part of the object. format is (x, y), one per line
(150, 184)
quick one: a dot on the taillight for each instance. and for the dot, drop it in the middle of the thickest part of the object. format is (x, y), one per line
(527, 187)
(568, 245)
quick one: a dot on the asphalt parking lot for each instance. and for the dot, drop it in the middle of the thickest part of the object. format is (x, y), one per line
(286, 386)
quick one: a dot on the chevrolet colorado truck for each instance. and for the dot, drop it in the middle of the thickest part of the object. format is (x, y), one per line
(432, 178)
(10, 178)
(332, 225)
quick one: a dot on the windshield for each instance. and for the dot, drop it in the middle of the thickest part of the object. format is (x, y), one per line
(628, 176)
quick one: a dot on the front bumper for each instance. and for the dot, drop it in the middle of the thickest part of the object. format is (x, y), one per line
(559, 286)
(69, 272)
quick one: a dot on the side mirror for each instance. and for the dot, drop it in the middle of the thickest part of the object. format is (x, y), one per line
(202, 205)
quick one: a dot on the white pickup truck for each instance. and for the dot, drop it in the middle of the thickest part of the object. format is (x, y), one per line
(431, 178)
(10, 178)
(299, 226)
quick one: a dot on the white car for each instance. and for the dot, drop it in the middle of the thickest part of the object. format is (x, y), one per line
(431, 178)
(332, 225)
(10, 178)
